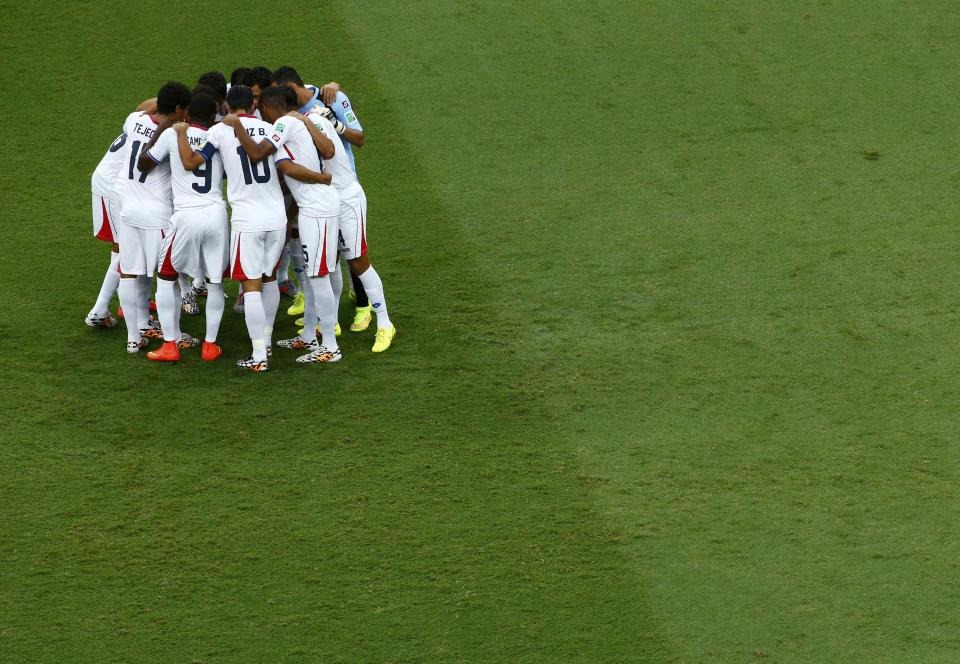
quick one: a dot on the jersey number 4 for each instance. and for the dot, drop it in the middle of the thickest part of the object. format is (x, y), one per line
(251, 171)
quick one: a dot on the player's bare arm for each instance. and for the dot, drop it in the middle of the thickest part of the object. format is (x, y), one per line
(302, 173)
(256, 151)
(324, 145)
(145, 162)
(150, 106)
(329, 92)
(191, 160)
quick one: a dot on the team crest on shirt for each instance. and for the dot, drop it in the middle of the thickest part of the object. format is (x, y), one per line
(280, 127)
(275, 137)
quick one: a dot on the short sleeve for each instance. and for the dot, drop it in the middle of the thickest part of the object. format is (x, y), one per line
(161, 149)
(280, 132)
(343, 109)
(213, 143)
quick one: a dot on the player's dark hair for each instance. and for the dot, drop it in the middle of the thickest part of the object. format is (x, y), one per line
(240, 97)
(217, 81)
(238, 74)
(259, 76)
(206, 89)
(285, 75)
(290, 98)
(172, 95)
(203, 108)
(276, 98)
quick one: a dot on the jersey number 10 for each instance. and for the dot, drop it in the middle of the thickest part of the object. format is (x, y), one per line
(251, 171)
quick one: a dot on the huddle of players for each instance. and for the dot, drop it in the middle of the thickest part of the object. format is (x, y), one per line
(157, 198)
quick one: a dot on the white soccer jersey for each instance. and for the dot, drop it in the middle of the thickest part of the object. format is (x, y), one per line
(191, 189)
(339, 166)
(147, 197)
(104, 180)
(293, 141)
(252, 189)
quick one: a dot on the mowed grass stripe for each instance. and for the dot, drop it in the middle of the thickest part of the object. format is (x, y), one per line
(424, 517)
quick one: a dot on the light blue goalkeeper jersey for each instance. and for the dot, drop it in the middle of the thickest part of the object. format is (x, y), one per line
(344, 112)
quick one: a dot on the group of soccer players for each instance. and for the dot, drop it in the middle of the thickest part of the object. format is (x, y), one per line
(285, 149)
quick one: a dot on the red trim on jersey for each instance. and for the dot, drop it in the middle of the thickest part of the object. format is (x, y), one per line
(246, 115)
(200, 126)
(289, 154)
(237, 274)
(166, 268)
(322, 271)
(154, 120)
(105, 233)
(363, 235)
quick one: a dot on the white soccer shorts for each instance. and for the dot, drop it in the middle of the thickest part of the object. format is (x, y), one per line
(197, 244)
(318, 236)
(139, 248)
(255, 254)
(353, 228)
(105, 211)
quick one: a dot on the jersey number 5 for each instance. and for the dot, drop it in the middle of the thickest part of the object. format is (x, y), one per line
(251, 174)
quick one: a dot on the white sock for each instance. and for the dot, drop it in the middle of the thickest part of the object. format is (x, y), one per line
(336, 284)
(198, 283)
(144, 284)
(110, 282)
(296, 259)
(309, 314)
(177, 310)
(253, 313)
(167, 304)
(374, 287)
(127, 292)
(326, 311)
(283, 272)
(271, 302)
(214, 312)
(184, 281)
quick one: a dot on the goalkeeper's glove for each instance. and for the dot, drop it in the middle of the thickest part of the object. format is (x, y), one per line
(337, 125)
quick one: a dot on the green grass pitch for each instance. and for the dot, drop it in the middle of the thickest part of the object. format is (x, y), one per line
(676, 372)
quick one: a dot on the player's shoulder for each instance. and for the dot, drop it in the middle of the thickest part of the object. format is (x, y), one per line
(341, 100)
(132, 119)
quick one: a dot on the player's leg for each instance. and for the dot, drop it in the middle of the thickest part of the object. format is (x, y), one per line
(188, 299)
(276, 241)
(214, 249)
(283, 273)
(354, 249)
(169, 289)
(296, 259)
(246, 251)
(132, 261)
(305, 239)
(104, 230)
(353, 244)
(321, 255)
